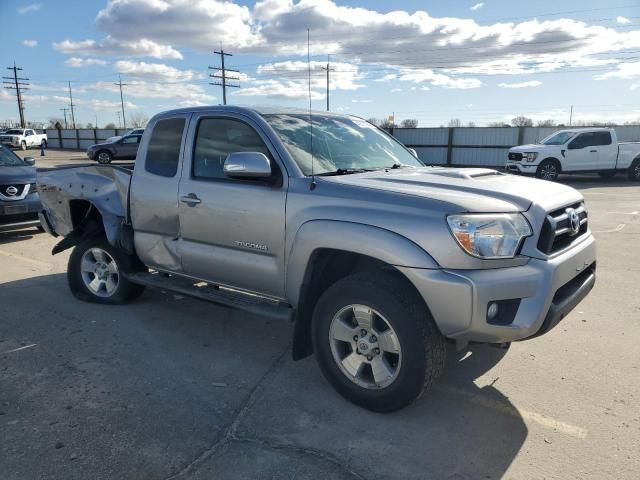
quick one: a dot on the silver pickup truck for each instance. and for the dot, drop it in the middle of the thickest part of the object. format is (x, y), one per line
(324, 220)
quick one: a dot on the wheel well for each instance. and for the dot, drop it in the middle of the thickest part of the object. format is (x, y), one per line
(326, 267)
(83, 210)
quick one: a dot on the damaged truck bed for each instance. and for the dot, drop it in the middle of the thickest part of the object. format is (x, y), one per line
(78, 199)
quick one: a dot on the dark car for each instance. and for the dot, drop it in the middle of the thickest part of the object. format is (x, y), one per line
(19, 201)
(125, 148)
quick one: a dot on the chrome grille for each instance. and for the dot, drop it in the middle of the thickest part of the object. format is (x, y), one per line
(515, 156)
(560, 229)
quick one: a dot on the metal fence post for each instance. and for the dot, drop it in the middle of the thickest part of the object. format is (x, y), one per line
(78, 138)
(59, 136)
(95, 135)
(450, 147)
(520, 135)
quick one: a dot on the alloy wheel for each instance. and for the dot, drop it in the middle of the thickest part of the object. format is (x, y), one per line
(99, 272)
(365, 346)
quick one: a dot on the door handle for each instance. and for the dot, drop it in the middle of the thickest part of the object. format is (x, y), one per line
(191, 199)
(593, 151)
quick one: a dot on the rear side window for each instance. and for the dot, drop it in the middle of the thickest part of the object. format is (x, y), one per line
(163, 152)
(216, 139)
(604, 138)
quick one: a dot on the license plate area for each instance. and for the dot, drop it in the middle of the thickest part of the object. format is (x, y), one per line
(15, 209)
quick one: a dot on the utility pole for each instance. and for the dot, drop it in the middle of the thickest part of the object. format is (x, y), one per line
(65, 116)
(72, 108)
(571, 116)
(96, 121)
(119, 122)
(221, 73)
(19, 84)
(328, 69)
(120, 84)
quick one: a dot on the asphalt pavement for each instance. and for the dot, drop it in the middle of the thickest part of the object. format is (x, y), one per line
(171, 387)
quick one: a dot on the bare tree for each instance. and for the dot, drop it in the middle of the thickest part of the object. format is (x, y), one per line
(138, 119)
(386, 123)
(110, 126)
(546, 123)
(522, 121)
(498, 124)
(53, 121)
(454, 122)
(471, 124)
(375, 121)
(409, 123)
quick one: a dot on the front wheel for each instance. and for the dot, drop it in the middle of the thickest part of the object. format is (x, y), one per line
(634, 171)
(104, 157)
(548, 170)
(376, 342)
(96, 272)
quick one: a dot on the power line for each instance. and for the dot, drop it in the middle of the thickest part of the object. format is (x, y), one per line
(221, 73)
(120, 84)
(19, 84)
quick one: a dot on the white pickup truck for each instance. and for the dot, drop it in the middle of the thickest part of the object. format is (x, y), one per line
(577, 150)
(23, 138)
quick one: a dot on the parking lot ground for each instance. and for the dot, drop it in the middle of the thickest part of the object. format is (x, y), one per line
(170, 387)
(54, 158)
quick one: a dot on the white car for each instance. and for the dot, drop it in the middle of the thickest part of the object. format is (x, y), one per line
(577, 150)
(23, 138)
(135, 131)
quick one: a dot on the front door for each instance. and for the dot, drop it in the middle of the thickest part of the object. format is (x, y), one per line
(582, 153)
(232, 231)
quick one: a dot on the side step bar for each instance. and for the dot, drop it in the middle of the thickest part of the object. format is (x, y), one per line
(212, 293)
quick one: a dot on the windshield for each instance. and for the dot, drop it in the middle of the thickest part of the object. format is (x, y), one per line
(9, 159)
(14, 132)
(559, 138)
(339, 144)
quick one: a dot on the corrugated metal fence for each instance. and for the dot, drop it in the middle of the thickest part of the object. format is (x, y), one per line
(458, 146)
(481, 146)
(80, 138)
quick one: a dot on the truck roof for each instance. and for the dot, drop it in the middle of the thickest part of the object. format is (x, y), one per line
(250, 110)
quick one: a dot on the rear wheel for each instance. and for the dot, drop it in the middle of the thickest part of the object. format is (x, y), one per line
(376, 342)
(97, 273)
(104, 157)
(548, 169)
(634, 171)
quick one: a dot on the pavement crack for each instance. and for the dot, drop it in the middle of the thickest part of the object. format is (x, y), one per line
(229, 432)
(312, 452)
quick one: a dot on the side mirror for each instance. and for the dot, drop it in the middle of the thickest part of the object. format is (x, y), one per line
(247, 165)
(29, 160)
(413, 152)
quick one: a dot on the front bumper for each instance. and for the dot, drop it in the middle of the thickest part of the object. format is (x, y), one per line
(20, 214)
(547, 290)
(521, 168)
(91, 154)
(11, 143)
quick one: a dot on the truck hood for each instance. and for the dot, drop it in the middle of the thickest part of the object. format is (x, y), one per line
(532, 147)
(17, 175)
(466, 189)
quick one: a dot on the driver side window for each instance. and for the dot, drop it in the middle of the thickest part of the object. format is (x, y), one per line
(589, 139)
(216, 139)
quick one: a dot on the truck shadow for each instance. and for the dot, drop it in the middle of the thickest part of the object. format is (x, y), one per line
(166, 363)
(584, 182)
(18, 235)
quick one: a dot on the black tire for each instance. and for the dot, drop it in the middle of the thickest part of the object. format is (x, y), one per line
(423, 348)
(634, 171)
(124, 291)
(107, 157)
(23, 145)
(43, 144)
(549, 169)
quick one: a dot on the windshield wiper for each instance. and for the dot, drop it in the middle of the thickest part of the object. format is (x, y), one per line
(345, 171)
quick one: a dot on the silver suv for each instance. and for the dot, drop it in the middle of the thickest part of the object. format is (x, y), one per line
(329, 222)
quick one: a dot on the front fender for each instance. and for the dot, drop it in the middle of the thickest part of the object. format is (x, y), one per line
(375, 242)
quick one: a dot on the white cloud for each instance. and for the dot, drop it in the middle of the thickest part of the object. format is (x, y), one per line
(30, 43)
(154, 71)
(624, 70)
(361, 101)
(438, 79)
(623, 20)
(477, 6)
(533, 83)
(634, 86)
(394, 90)
(76, 62)
(32, 7)
(112, 47)
(185, 94)
(96, 104)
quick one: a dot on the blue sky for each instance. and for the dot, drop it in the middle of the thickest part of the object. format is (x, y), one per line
(478, 61)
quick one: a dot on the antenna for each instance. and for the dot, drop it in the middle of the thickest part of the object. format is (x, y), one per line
(313, 177)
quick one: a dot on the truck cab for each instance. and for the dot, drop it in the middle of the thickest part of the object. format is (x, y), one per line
(580, 150)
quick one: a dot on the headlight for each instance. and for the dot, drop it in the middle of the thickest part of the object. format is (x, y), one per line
(489, 235)
(531, 156)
